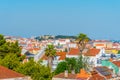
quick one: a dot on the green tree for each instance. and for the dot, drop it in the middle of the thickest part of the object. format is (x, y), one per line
(119, 52)
(82, 62)
(10, 61)
(69, 64)
(61, 67)
(50, 52)
(72, 64)
(82, 40)
(7, 47)
(79, 64)
(2, 40)
(35, 70)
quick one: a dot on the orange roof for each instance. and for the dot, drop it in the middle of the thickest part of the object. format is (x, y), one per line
(117, 63)
(6, 73)
(74, 51)
(62, 55)
(83, 74)
(70, 76)
(103, 69)
(92, 52)
(99, 44)
(96, 76)
(37, 49)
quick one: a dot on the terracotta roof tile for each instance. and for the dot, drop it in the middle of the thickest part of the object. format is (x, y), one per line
(70, 76)
(62, 55)
(99, 44)
(7, 73)
(96, 76)
(104, 71)
(83, 74)
(74, 51)
(92, 52)
(117, 63)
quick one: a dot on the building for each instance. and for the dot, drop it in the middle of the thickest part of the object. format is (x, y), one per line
(93, 55)
(112, 64)
(73, 52)
(102, 44)
(60, 56)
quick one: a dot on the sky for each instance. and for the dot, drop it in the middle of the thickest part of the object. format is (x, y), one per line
(99, 19)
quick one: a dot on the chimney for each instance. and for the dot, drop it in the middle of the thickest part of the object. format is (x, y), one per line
(66, 73)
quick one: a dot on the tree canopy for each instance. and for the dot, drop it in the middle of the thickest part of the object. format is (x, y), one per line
(72, 64)
(10, 61)
(35, 70)
(50, 52)
(81, 40)
(8, 48)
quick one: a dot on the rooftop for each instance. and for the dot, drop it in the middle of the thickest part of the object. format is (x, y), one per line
(117, 63)
(62, 75)
(92, 52)
(74, 51)
(96, 76)
(7, 73)
(83, 74)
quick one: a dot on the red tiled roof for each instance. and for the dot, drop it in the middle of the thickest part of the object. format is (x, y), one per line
(99, 44)
(7, 73)
(104, 69)
(70, 76)
(62, 55)
(83, 74)
(117, 63)
(37, 49)
(96, 76)
(74, 51)
(92, 52)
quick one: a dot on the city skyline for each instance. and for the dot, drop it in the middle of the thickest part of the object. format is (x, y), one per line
(26, 18)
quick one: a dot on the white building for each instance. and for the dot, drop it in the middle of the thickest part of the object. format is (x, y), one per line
(94, 55)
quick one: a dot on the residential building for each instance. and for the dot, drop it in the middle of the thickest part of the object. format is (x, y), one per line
(102, 44)
(73, 52)
(93, 55)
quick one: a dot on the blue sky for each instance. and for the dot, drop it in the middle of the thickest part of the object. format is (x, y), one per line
(99, 19)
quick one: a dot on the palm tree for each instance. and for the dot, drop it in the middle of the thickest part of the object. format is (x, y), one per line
(50, 53)
(82, 40)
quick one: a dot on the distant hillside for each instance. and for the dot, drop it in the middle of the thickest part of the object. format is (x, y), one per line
(54, 37)
(64, 37)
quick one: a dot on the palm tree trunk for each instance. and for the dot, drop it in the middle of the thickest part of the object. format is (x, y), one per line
(50, 62)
